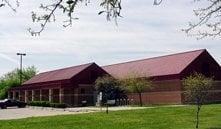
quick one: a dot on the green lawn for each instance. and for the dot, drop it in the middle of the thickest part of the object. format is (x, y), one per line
(156, 118)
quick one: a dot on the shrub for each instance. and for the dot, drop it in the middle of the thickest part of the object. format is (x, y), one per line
(47, 104)
(58, 105)
(197, 89)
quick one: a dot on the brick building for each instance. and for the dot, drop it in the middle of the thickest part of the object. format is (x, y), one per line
(167, 73)
(75, 84)
(69, 85)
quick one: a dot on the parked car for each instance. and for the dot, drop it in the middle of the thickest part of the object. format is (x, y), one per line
(11, 103)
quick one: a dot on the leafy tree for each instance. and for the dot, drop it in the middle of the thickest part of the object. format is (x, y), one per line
(12, 79)
(109, 87)
(136, 84)
(197, 88)
(28, 73)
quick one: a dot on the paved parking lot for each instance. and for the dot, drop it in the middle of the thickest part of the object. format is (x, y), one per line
(17, 113)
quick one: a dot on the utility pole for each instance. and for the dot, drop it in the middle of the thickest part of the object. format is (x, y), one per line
(21, 54)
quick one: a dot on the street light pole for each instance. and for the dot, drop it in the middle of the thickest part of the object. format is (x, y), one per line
(21, 54)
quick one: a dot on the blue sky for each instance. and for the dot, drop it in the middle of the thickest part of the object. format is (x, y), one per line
(144, 31)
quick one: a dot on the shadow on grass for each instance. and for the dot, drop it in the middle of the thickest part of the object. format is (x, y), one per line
(214, 128)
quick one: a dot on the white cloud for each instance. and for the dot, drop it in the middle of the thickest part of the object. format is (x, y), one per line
(8, 58)
(144, 31)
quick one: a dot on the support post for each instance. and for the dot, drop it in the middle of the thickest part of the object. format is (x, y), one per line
(61, 95)
(21, 54)
(107, 108)
(26, 96)
(19, 95)
(32, 95)
(14, 96)
(50, 95)
(40, 94)
(76, 103)
(9, 94)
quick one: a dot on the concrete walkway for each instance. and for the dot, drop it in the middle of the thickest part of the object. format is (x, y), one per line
(17, 113)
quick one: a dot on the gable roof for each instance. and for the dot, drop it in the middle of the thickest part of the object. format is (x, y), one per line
(60, 74)
(156, 66)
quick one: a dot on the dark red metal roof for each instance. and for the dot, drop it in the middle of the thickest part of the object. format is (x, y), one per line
(60, 74)
(157, 66)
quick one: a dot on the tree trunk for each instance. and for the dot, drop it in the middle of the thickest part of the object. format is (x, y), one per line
(197, 116)
(140, 97)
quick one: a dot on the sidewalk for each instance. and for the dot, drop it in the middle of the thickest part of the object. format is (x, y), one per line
(17, 113)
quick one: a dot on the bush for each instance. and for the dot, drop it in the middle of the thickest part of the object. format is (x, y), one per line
(47, 104)
(40, 103)
(58, 105)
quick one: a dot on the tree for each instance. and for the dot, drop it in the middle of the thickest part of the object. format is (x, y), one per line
(9, 4)
(109, 87)
(28, 73)
(136, 84)
(197, 88)
(208, 24)
(12, 79)
(112, 9)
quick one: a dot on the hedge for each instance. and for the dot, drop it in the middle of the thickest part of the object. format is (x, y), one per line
(47, 104)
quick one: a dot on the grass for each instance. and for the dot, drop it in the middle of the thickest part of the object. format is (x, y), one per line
(153, 118)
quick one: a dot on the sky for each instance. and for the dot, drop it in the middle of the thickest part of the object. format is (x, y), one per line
(144, 31)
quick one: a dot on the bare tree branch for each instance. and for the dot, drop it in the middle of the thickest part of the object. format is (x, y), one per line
(9, 4)
(157, 2)
(46, 18)
(112, 8)
(209, 23)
